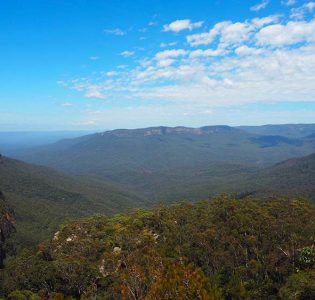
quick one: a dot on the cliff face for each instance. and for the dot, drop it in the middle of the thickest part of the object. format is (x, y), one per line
(6, 226)
(162, 130)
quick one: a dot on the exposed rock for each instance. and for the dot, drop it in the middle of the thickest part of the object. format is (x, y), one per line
(162, 130)
(117, 250)
(71, 238)
(56, 236)
(102, 269)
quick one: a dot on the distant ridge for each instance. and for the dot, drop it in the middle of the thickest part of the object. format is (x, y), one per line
(290, 130)
(173, 163)
(163, 130)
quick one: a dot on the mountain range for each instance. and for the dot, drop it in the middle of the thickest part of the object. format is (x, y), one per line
(117, 170)
(179, 163)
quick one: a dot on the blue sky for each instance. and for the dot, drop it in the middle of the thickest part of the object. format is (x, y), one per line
(87, 64)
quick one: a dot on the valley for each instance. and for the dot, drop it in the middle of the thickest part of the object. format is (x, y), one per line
(139, 191)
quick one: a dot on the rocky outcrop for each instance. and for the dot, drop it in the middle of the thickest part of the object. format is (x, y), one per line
(6, 226)
(162, 130)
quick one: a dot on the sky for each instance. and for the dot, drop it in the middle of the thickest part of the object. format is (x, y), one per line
(106, 64)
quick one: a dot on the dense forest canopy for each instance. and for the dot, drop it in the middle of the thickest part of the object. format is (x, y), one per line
(7, 226)
(224, 248)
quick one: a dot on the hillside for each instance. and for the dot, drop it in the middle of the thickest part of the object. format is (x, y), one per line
(43, 198)
(293, 177)
(174, 163)
(219, 249)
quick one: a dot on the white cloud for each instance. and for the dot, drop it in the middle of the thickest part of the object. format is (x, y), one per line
(300, 12)
(259, 22)
(245, 50)
(253, 75)
(170, 44)
(288, 2)
(204, 38)
(170, 53)
(180, 25)
(310, 6)
(207, 53)
(62, 83)
(235, 33)
(152, 23)
(165, 62)
(127, 53)
(94, 57)
(227, 32)
(94, 93)
(115, 31)
(260, 6)
(288, 34)
(111, 73)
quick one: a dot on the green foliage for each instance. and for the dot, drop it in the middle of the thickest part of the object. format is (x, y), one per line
(7, 221)
(224, 248)
(307, 257)
(23, 295)
(300, 285)
(43, 199)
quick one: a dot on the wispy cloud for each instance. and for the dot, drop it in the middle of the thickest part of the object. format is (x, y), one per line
(143, 30)
(180, 25)
(115, 31)
(170, 53)
(288, 2)
(170, 44)
(300, 12)
(152, 23)
(260, 6)
(127, 53)
(67, 104)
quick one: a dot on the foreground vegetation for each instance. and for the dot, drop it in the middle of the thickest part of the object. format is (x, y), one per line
(225, 248)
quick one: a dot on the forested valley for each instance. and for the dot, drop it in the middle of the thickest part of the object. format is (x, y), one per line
(161, 213)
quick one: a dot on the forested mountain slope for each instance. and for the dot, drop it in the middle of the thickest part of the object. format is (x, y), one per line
(293, 176)
(165, 162)
(43, 198)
